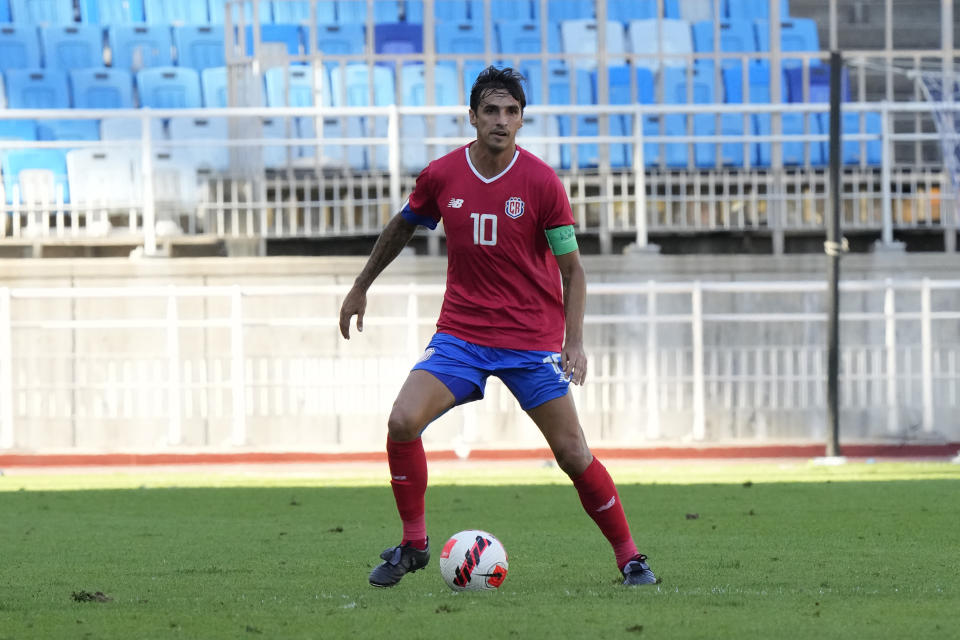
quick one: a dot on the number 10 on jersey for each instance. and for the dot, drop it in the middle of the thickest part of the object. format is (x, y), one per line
(484, 228)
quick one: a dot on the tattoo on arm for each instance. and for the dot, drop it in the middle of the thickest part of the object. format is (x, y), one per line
(392, 240)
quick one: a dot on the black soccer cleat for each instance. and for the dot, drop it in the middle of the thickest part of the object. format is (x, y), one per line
(638, 572)
(400, 561)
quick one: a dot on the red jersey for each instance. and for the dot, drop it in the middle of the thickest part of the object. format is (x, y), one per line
(503, 283)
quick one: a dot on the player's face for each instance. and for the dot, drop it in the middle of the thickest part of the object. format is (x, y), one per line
(497, 120)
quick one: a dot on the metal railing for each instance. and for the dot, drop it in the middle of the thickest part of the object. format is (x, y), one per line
(241, 367)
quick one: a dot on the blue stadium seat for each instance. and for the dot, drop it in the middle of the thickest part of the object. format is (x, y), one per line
(413, 85)
(753, 9)
(398, 38)
(299, 12)
(581, 37)
(798, 34)
(819, 84)
(74, 47)
(286, 34)
(4, 10)
(541, 126)
(857, 151)
(215, 157)
(218, 15)
(622, 93)
(736, 36)
(350, 86)
(627, 10)
(443, 11)
(68, 129)
(698, 88)
(129, 129)
(167, 12)
(213, 84)
(37, 89)
(101, 88)
(19, 47)
(199, 46)
(500, 10)
(460, 38)
(138, 46)
(18, 130)
(111, 11)
(355, 11)
(339, 39)
(18, 160)
(40, 12)
(294, 87)
(561, 90)
(169, 88)
(524, 37)
(645, 39)
(558, 10)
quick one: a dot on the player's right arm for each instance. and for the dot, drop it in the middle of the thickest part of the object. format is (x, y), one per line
(392, 240)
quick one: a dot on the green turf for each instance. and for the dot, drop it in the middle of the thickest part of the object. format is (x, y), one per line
(820, 555)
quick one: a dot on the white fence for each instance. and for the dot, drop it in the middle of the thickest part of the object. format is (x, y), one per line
(179, 368)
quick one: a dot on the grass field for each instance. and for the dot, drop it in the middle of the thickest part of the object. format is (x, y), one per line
(764, 550)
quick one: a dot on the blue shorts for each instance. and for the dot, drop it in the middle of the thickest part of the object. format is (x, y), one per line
(534, 377)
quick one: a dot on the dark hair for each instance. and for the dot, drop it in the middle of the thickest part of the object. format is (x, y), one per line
(494, 79)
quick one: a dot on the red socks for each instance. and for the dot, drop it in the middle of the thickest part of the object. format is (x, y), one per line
(408, 477)
(600, 500)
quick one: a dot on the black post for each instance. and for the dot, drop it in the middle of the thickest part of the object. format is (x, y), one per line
(834, 247)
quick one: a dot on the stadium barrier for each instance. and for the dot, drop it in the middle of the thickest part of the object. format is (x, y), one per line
(263, 368)
(217, 188)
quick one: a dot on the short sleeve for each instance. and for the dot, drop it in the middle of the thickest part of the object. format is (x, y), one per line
(421, 207)
(556, 204)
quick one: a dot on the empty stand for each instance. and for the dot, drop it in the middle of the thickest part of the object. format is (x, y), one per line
(36, 174)
(627, 10)
(18, 130)
(460, 38)
(218, 16)
(37, 89)
(111, 11)
(130, 129)
(19, 47)
(413, 89)
(64, 129)
(215, 157)
(525, 37)
(340, 39)
(355, 11)
(169, 88)
(138, 46)
(4, 10)
(736, 36)
(856, 151)
(559, 10)
(300, 12)
(695, 10)
(398, 38)
(285, 36)
(753, 9)
(108, 177)
(73, 47)
(581, 37)
(199, 46)
(101, 88)
(213, 84)
(167, 12)
(443, 11)
(798, 34)
(670, 37)
(540, 126)
(42, 12)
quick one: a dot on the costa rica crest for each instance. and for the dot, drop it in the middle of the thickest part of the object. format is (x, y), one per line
(514, 207)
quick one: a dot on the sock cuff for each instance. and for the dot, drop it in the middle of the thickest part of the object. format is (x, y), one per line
(403, 447)
(589, 472)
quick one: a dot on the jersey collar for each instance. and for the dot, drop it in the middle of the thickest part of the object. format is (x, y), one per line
(466, 151)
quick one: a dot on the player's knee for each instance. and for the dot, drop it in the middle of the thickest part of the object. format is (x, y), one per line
(573, 459)
(403, 425)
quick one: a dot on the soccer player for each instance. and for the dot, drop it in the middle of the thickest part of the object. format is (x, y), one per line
(513, 308)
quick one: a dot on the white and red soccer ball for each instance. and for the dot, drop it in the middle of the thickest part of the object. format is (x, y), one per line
(473, 560)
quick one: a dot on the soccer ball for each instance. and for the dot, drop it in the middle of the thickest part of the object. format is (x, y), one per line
(473, 560)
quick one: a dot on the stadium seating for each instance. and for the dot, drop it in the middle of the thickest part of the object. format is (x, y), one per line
(46, 173)
(130, 129)
(176, 12)
(398, 38)
(106, 12)
(340, 39)
(350, 86)
(736, 36)
(101, 88)
(753, 9)
(169, 88)
(524, 37)
(299, 12)
(856, 151)
(174, 178)
(199, 46)
(622, 93)
(135, 47)
(108, 177)
(559, 10)
(581, 37)
(4, 10)
(413, 85)
(627, 10)
(541, 126)
(798, 34)
(285, 35)
(73, 47)
(42, 12)
(215, 157)
(460, 38)
(443, 11)
(213, 85)
(355, 11)
(502, 10)
(37, 89)
(694, 10)
(649, 37)
(68, 129)
(218, 16)
(19, 47)
(18, 130)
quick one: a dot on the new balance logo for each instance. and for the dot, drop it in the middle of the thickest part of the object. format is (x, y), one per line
(455, 203)
(613, 501)
(399, 478)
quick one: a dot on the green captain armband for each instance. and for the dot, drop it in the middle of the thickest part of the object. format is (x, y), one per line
(562, 239)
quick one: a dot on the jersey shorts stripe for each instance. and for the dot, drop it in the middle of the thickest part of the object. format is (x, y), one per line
(533, 377)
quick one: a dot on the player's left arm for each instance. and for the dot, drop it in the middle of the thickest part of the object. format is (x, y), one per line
(573, 357)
